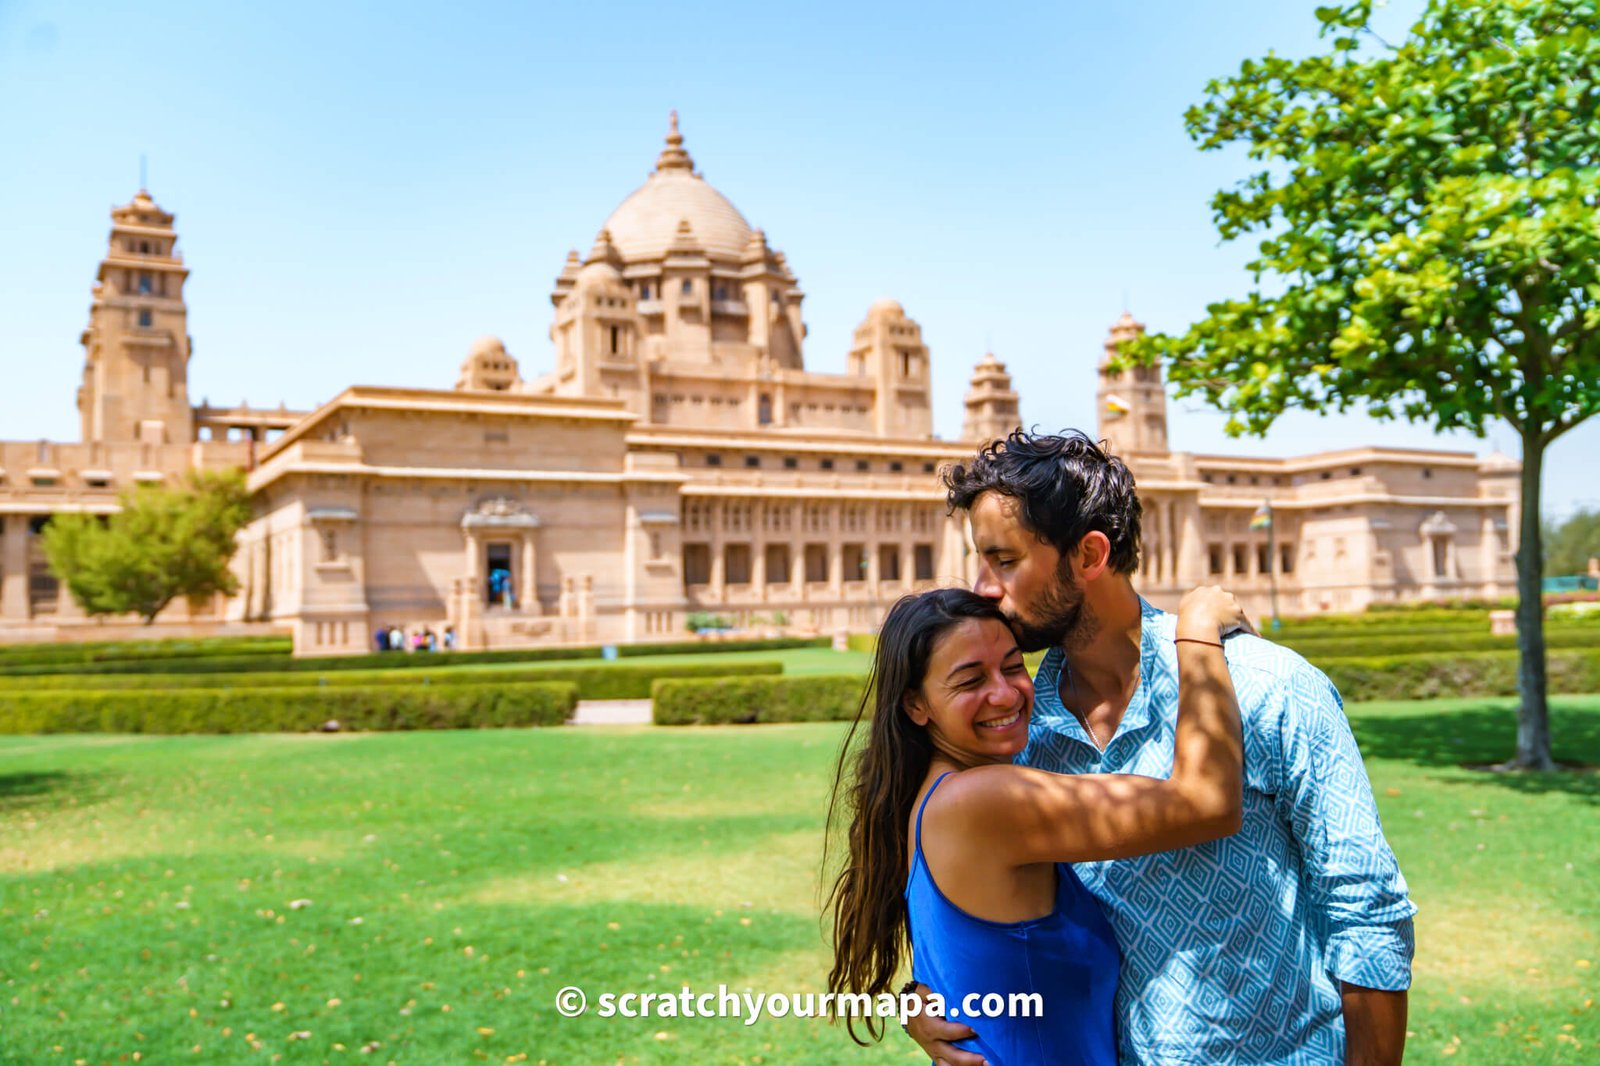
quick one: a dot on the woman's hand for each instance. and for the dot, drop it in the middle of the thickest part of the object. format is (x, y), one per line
(1209, 613)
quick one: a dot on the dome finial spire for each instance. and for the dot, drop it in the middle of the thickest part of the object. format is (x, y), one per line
(673, 156)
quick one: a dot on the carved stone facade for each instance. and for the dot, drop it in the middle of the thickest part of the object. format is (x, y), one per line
(678, 458)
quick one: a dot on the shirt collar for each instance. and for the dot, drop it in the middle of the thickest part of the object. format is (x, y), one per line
(1053, 715)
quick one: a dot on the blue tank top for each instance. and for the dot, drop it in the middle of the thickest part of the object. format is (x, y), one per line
(1069, 957)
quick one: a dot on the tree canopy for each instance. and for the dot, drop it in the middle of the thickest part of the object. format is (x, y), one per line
(164, 543)
(1569, 545)
(1428, 243)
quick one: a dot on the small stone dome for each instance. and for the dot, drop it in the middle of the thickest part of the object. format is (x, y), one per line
(887, 307)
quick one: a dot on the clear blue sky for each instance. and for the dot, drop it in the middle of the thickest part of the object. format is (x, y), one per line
(363, 189)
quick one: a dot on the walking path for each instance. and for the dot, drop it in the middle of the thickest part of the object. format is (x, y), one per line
(611, 712)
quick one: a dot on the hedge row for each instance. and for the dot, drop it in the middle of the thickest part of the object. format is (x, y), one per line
(610, 681)
(1320, 648)
(723, 700)
(267, 710)
(1425, 677)
(283, 664)
(91, 652)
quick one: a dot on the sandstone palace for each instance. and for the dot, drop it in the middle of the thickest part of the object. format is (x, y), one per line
(678, 458)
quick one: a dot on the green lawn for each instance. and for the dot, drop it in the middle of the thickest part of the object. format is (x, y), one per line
(148, 890)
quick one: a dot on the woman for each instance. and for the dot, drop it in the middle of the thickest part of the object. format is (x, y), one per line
(964, 855)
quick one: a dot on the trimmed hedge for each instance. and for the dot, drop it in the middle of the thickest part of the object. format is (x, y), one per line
(395, 660)
(180, 649)
(609, 681)
(1426, 677)
(1321, 648)
(690, 647)
(276, 710)
(745, 700)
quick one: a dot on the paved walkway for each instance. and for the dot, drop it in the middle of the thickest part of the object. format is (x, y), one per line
(611, 712)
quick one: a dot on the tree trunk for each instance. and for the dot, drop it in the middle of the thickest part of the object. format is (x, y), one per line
(1533, 713)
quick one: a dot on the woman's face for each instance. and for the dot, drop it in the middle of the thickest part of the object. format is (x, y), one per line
(976, 698)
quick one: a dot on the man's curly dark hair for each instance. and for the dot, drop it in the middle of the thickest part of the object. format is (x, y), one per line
(1066, 485)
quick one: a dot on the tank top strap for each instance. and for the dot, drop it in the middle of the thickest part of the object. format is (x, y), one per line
(924, 806)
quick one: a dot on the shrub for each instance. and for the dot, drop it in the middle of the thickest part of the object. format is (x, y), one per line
(867, 642)
(1318, 649)
(1423, 677)
(746, 700)
(611, 681)
(270, 710)
(395, 660)
(72, 654)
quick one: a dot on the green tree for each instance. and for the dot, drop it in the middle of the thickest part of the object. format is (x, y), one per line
(1570, 545)
(162, 544)
(1428, 243)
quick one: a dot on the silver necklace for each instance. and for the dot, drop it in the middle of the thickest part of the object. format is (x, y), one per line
(1083, 719)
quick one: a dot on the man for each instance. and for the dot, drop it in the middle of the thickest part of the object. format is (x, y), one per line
(1287, 943)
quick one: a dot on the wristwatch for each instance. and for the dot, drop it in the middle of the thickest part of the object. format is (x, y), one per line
(907, 989)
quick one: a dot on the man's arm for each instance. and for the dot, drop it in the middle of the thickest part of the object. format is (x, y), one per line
(935, 1037)
(1374, 1026)
(1352, 880)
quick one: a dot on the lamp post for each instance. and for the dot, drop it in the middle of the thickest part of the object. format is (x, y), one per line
(1262, 519)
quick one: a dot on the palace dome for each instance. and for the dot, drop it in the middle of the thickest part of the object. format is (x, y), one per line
(645, 224)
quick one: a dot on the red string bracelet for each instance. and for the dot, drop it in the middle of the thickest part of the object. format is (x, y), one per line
(1197, 640)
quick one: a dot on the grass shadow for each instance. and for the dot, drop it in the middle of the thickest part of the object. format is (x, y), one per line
(1473, 737)
(24, 788)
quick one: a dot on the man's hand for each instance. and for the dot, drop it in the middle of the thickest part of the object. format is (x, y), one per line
(1374, 1026)
(934, 1036)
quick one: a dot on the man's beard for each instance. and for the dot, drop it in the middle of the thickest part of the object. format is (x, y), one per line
(1064, 620)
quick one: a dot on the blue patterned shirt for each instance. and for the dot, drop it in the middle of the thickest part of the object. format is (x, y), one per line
(1233, 951)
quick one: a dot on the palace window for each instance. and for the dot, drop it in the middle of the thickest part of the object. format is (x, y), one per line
(1214, 557)
(855, 562)
(927, 468)
(752, 460)
(777, 564)
(146, 282)
(862, 466)
(826, 464)
(146, 319)
(817, 563)
(713, 459)
(764, 410)
(1286, 558)
(1263, 560)
(696, 564)
(889, 562)
(736, 564)
(922, 562)
(1240, 561)
(644, 290)
(896, 466)
(688, 287)
(790, 462)
(615, 338)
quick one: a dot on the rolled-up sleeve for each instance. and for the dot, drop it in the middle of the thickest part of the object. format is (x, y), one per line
(1352, 880)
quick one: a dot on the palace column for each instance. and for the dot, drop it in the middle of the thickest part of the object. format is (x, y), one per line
(758, 550)
(797, 553)
(715, 509)
(528, 594)
(14, 569)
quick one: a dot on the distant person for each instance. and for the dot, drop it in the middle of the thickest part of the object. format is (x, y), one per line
(964, 854)
(449, 638)
(380, 639)
(1287, 942)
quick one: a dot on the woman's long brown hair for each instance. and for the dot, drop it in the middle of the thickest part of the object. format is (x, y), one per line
(879, 783)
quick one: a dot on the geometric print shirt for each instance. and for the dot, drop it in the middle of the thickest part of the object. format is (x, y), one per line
(1233, 950)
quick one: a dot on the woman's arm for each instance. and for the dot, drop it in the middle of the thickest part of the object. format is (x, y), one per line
(1033, 816)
